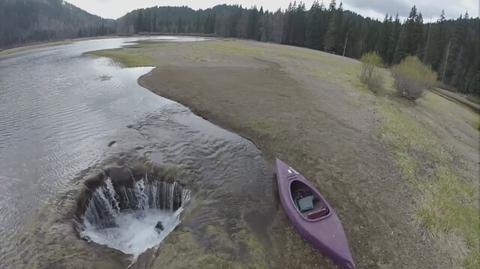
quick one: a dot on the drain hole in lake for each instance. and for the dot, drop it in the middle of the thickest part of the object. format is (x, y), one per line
(128, 212)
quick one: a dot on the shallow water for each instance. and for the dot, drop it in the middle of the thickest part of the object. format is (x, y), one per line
(60, 112)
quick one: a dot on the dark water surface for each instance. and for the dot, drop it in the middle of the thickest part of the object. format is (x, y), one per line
(60, 112)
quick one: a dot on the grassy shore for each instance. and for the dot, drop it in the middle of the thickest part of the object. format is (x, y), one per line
(403, 176)
(42, 44)
(131, 58)
(7, 52)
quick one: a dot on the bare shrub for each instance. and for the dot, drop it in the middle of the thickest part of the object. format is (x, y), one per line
(370, 73)
(412, 77)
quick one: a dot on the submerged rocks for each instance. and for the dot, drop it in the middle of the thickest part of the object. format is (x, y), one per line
(159, 227)
(96, 180)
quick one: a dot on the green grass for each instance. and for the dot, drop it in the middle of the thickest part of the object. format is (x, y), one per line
(33, 46)
(256, 251)
(448, 203)
(451, 111)
(127, 57)
(308, 54)
(448, 206)
(263, 127)
(231, 47)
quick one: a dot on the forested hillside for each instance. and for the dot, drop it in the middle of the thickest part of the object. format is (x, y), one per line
(451, 47)
(23, 21)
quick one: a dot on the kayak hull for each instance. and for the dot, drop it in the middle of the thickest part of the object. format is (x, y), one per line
(321, 227)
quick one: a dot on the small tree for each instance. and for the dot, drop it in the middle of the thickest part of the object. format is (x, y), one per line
(370, 73)
(412, 77)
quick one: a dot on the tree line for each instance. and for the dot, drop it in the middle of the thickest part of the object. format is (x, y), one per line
(24, 21)
(451, 47)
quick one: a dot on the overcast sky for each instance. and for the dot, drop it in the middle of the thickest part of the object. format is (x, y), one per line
(430, 9)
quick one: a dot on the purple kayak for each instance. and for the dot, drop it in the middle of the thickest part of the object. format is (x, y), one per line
(312, 216)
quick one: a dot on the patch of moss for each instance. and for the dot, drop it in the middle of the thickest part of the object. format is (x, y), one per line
(221, 243)
(181, 250)
(231, 47)
(402, 130)
(127, 57)
(448, 206)
(309, 54)
(148, 44)
(472, 261)
(451, 110)
(197, 55)
(256, 250)
(263, 127)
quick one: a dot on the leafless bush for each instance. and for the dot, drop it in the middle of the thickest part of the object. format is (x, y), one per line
(370, 73)
(412, 77)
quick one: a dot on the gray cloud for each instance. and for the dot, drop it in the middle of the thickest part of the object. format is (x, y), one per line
(430, 9)
(381, 6)
(373, 8)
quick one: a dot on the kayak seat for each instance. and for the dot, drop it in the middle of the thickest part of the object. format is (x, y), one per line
(305, 203)
(318, 213)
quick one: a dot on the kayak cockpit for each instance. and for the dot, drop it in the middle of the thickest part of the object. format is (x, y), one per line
(307, 202)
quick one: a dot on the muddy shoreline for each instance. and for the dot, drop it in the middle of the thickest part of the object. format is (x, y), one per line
(317, 129)
(307, 108)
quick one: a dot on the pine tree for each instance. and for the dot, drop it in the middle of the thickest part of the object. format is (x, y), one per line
(417, 42)
(393, 40)
(180, 27)
(262, 26)
(472, 77)
(411, 36)
(451, 52)
(139, 22)
(341, 31)
(330, 36)
(299, 25)
(314, 35)
(154, 21)
(382, 46)
(252, 28)
(438, 47)
(287, 36)
(277, 26)
(457, 62)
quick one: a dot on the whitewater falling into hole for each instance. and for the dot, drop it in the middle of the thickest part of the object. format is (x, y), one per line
(127, 218)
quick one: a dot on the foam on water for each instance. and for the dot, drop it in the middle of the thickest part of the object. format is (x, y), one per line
(124, 218)
(136, 230)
